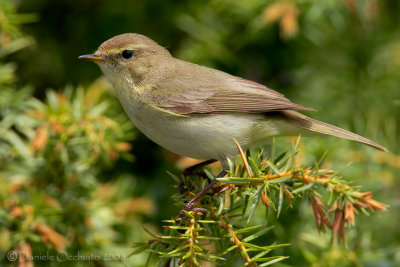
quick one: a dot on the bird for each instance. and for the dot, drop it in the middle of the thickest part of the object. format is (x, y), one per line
(197, 111)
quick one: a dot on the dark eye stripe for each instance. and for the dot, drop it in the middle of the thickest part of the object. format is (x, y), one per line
(127, 54)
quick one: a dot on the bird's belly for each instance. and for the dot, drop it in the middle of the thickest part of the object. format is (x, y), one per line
(197, 136)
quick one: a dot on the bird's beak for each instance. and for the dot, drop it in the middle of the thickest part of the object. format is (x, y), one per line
(93, 57)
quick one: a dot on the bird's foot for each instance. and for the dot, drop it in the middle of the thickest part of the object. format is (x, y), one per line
(192, 204)
(191, 170)
(189, 207)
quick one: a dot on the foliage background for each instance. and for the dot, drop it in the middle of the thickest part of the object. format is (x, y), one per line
(339, 57)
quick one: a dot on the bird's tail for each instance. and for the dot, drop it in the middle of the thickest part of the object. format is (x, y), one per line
(305, 122)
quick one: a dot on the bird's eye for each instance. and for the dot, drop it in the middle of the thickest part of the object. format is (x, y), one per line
(127, 54)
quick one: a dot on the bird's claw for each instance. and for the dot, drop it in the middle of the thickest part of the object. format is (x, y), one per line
(189, 207)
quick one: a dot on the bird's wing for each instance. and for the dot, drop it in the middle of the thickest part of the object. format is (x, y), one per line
(220, 93)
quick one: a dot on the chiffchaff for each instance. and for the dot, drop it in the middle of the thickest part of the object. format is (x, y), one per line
(197, 111)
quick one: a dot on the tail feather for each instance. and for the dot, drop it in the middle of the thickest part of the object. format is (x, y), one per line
(305, 122)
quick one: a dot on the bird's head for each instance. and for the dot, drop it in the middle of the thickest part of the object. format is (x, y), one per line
(128, 58)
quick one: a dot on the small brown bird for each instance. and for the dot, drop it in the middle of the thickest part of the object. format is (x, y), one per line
(197, 111)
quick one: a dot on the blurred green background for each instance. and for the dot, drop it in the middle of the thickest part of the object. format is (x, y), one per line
(76, 175)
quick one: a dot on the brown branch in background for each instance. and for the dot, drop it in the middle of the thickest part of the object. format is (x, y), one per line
(49, 236)
(24, 252)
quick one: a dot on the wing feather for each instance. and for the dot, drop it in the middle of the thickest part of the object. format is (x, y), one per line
(213, 92)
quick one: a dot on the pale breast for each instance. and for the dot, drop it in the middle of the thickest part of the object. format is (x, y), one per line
(195, 136)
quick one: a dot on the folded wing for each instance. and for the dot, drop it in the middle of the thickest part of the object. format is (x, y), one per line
(220, 93)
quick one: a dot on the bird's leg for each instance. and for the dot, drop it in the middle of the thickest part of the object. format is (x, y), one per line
(190, 171)
(191, 205)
